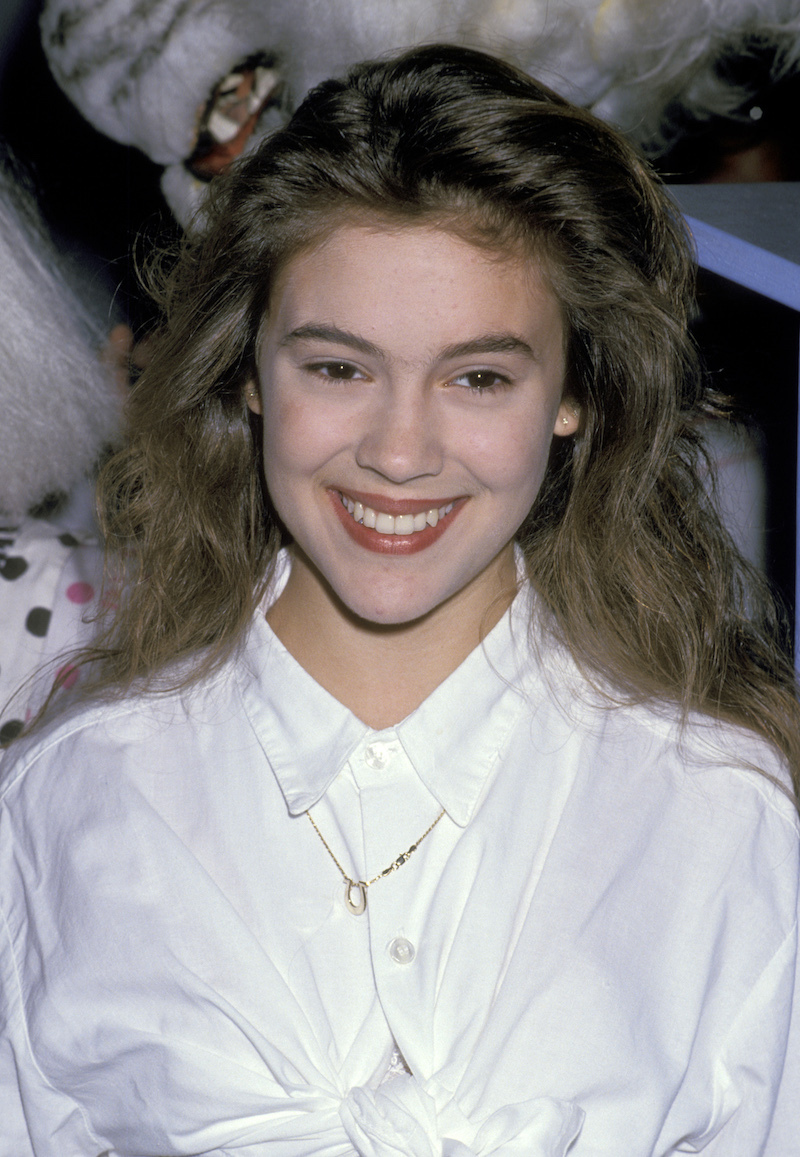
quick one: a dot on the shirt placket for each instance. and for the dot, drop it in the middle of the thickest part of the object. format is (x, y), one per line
(396, 809)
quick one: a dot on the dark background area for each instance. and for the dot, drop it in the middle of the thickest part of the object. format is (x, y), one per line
(750, 345)
(96, 195)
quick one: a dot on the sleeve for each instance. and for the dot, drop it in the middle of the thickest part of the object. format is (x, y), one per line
(785, 1127)
(15, 1136)
(754, 1095)
(35, 1119)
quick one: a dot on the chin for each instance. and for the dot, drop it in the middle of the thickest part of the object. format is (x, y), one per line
(388, 607)
(387, 614)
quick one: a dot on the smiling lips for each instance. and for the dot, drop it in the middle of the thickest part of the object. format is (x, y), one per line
(405, 532)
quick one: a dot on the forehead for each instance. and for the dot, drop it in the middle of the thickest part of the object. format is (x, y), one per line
(433, 280)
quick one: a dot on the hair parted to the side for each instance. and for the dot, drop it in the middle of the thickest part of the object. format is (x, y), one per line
(622, 544)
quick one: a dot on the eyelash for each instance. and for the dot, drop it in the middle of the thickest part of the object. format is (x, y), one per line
(353, 373)
(333, 371)
(498, 381)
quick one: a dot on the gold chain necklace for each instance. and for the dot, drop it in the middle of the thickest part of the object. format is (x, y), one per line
(355, 891)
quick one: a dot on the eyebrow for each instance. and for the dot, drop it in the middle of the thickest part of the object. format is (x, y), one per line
(490, 343)
(330, 333)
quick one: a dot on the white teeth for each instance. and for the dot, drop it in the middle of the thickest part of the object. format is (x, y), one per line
(391, 523)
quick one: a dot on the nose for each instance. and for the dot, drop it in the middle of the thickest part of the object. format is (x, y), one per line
(402, 438)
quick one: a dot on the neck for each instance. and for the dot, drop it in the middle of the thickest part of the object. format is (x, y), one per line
(383, 673)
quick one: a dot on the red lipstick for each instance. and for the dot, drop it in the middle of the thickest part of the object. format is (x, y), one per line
(397, 544)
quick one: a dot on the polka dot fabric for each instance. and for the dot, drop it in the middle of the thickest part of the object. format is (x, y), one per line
(49, 581)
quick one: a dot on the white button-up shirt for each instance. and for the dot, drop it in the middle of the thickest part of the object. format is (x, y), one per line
(595, 947)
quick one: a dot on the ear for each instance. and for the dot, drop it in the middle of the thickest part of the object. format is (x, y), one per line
(252, 396)
(568, 418)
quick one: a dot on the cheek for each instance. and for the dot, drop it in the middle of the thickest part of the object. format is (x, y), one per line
(292, 433)
(512, 456)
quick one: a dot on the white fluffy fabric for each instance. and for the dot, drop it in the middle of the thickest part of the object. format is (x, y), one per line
(58, 405)
(142, 70)
(662, 56)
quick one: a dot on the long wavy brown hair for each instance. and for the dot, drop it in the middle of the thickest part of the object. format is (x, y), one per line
(622, 544)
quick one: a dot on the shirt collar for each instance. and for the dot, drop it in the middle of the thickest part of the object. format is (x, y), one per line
(453, 740)
(457, 735)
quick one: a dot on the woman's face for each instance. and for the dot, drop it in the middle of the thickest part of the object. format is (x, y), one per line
(410, 384)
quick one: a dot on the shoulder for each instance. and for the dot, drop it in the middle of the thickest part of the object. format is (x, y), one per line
(710, 760)
(121, 738)
(687, 820)
(649, 753)
(178, 731)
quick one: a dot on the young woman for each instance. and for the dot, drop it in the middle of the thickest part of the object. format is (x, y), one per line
(436, 793)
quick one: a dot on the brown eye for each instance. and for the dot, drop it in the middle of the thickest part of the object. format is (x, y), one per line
(482, 381)
(337, 371)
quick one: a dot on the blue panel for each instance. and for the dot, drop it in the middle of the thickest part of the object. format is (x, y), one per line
(755, 268)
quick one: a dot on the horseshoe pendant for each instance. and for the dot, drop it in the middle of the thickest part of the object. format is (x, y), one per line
(355, 897)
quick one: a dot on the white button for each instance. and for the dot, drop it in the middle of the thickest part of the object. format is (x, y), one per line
(402, 951)
(377, 755)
